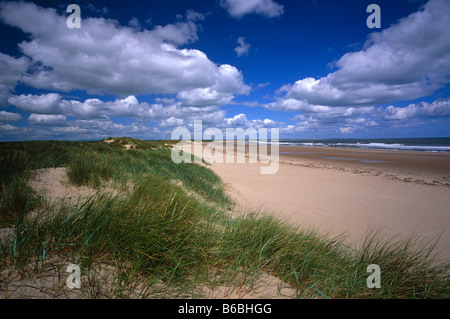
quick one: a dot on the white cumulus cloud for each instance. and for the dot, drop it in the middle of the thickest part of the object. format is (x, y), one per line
(242, 48)
(105, 57)
(45, 119)
(266, 8)
(439, 108)
(11, 72)
(406, 61)
(9, 116)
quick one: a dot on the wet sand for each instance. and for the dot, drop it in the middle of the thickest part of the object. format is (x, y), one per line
(416, 164)
(346, 191)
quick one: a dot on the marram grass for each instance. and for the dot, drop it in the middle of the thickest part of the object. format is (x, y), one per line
(168, 233)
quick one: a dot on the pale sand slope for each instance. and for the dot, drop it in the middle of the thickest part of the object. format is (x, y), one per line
(341, 200)
(53, 184)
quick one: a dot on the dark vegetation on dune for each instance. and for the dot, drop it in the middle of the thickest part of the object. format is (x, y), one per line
(162, 229)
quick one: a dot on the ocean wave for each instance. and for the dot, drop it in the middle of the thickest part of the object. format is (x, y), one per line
(400, 144)
(396, 146)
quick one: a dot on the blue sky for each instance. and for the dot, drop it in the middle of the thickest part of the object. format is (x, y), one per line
(311, 68)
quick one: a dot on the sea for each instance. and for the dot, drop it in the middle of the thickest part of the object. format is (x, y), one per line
(440, 144)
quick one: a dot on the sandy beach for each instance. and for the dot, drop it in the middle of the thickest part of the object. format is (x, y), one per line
(346, 191)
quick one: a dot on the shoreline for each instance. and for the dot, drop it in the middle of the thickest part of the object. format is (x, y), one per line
(333, 191)
(426, 168)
